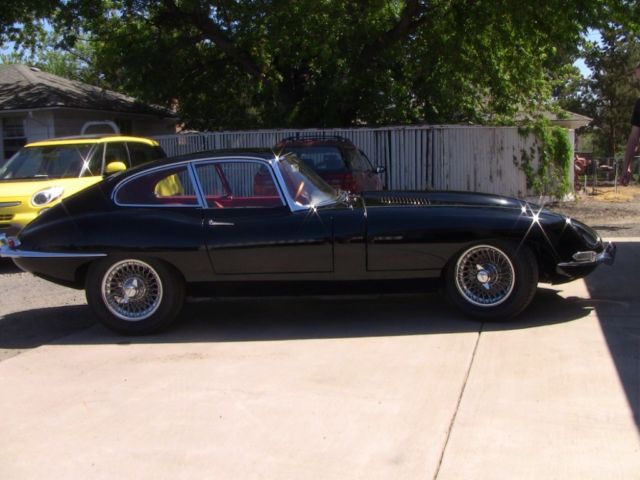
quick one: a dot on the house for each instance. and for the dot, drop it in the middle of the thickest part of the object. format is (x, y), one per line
(35, 105)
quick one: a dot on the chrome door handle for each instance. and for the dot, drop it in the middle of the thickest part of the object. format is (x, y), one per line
(212, 223)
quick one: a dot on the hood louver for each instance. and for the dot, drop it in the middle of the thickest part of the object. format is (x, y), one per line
(403, 200)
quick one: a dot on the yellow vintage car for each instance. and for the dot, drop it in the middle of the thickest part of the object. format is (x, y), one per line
(44, 172)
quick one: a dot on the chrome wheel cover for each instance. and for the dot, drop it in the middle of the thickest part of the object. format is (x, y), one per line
(131, 290)
(484, 276)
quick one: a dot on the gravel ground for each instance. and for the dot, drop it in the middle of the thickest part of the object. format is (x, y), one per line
(612, 212)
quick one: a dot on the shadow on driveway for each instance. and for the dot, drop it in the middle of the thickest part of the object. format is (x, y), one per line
(268, 319)
(615, 293)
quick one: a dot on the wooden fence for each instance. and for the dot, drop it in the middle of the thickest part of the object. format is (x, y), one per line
(467, 158)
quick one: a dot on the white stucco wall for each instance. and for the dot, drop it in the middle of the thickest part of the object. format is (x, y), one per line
(44, 124)
(39, 125)
(70, 122)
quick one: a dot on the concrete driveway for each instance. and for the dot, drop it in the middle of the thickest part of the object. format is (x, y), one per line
(394, 387)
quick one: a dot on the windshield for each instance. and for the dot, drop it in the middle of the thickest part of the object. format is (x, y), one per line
(304, 185)
(59, 161)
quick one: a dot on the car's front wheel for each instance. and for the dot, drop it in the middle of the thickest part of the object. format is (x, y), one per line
(134, 296)
(493, 280)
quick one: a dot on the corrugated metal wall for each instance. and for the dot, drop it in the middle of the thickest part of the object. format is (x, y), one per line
(482, 159)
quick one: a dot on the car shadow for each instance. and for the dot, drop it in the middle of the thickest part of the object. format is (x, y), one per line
(7, 266)
(269, 319)
(603, 229)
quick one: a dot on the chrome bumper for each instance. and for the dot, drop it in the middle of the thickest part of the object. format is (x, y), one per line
(8, 245)
(587, 259)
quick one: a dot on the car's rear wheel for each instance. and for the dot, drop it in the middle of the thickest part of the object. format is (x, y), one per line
(493, 280)
(134, 296)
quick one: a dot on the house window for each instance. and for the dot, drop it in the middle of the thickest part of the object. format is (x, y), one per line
(13, 136)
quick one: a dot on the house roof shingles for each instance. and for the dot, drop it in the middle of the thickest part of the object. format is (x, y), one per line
(28, 88)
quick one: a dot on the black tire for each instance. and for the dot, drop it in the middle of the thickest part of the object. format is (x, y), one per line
(134, 295)
(492, 280)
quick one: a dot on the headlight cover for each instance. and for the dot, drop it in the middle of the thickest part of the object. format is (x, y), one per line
(46, 196)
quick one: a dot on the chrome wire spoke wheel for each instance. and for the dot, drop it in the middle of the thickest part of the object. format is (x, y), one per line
(131, 290)
(484, 276)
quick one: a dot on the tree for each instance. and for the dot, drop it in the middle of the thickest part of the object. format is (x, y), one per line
(609, 94)
(277, 63)
(51, 55)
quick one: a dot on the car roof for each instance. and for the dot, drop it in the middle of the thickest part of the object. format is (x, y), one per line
(247, 153)
(313, 140)
(263, 153)
(91, 139)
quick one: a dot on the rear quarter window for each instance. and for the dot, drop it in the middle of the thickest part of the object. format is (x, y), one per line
(166, 187)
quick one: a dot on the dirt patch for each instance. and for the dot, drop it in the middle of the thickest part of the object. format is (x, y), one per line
(614, 212)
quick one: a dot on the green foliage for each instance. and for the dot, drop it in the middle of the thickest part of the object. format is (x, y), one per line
(553, 151)
(311, 63)
(75, 63)
(609, 94)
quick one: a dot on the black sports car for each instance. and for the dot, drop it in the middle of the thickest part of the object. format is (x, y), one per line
(226, 223)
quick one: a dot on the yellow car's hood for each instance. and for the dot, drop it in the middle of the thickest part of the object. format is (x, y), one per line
(16, 209)
(23, 190)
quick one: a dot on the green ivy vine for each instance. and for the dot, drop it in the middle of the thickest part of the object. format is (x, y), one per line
(552, 149)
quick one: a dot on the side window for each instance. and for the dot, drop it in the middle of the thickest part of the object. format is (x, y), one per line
(238, 185)
(358, 162)
(141, 153)
(366, 162)
(116, 152)
(13, 135)
(170, 187)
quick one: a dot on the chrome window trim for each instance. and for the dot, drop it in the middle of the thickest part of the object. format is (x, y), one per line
(193, 175)
(293, 205)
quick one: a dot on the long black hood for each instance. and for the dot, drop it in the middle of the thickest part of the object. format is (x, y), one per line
(439, 198)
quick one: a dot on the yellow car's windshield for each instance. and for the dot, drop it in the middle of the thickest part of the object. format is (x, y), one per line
(56, 161)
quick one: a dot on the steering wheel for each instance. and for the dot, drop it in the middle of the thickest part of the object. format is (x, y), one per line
(299, 191)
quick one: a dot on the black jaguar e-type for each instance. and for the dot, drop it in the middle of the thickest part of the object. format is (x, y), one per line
(228, 223)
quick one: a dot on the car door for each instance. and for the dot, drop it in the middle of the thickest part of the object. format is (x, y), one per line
(250, 230)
